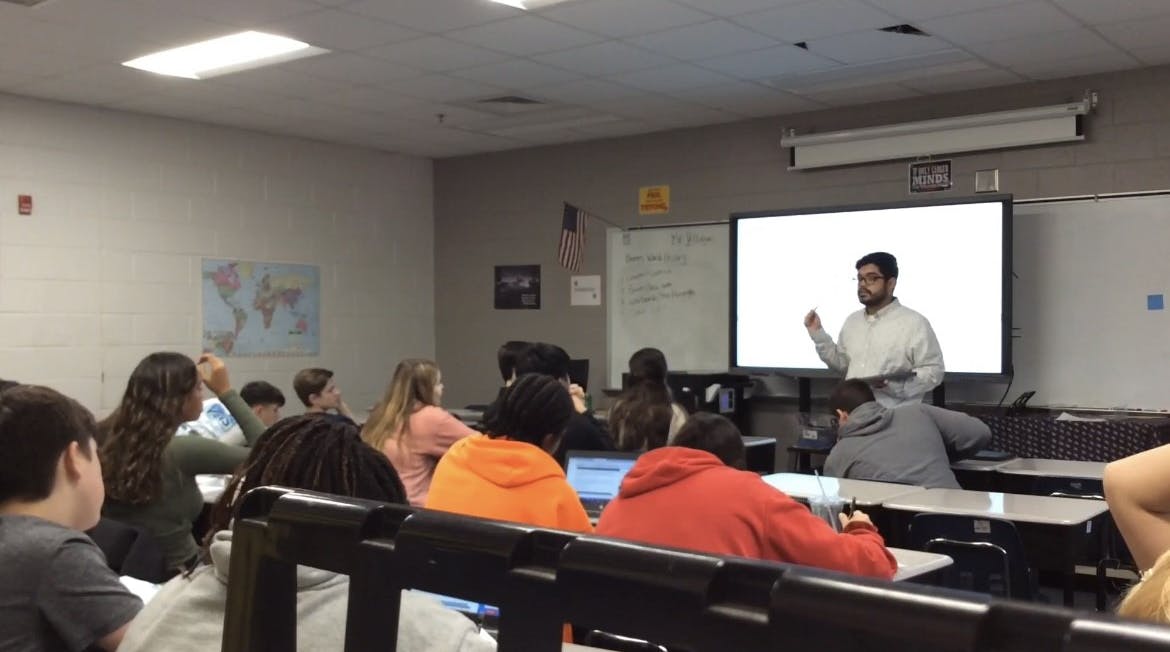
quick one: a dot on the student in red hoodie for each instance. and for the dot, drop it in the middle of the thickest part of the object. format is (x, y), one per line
(510, 474)
(693, 495)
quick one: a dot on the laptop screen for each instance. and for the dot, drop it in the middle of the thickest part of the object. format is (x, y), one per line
(597, 476)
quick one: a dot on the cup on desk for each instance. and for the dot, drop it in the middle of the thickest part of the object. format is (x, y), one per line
(827, 508)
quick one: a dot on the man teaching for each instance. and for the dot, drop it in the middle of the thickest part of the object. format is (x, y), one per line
(888, 345)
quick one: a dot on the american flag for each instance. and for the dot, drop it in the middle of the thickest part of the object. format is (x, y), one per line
(572, 238)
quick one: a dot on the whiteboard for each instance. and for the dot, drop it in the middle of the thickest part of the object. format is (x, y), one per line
(668, 289)
(1084, 270)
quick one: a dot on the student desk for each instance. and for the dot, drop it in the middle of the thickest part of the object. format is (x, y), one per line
(760, 453)
(1053, 468)
(916, 563)
(468, 417)
(801, 486)
(1070, 519)
(978, 474)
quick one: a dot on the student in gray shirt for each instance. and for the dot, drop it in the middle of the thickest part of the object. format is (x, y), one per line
(58, 592)
(912, 443)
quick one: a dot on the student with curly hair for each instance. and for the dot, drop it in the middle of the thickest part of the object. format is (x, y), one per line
(149, 472)
(303, 452)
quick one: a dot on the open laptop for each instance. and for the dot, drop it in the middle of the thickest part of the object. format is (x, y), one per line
(597, 475)
(486, 616)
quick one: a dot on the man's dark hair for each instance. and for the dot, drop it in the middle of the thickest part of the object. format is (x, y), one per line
(543, 358)
(849, 395)
(530, 409)
(310, 381)
(507, 355)
(886, 263)
(6, 385)
(259, 392)
(716, 435)
(37, 425)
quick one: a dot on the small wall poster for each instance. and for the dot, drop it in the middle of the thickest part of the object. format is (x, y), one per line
(517, 287)
(930, 176)
(585, 291)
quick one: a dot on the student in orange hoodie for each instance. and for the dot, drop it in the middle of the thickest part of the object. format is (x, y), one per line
(693, 495)
(410, 428)
(509, 474)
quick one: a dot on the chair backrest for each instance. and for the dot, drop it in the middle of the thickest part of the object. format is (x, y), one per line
(130, 550)
(988, 553)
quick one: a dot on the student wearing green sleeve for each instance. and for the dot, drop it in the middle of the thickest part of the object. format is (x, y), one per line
(149, 473)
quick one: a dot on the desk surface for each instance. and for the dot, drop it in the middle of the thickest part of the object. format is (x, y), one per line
(912, 563)
(1053, 468)
(979, 465)
(756, 440)
(1019, 508)
(211, 486)
(802, 486)
(466, 415)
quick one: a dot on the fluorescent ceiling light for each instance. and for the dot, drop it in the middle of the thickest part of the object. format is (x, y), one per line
(529, 4)
(223, 55)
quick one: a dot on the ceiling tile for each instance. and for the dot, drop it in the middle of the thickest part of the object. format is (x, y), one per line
(864, 94)
(621, 18)
(735, 7)
(704, 40)
(768, 63)
(926, 9)
(283, 82)
(1156, 56)
(862, 47)
(1043, 47)
(434, 16)
(584, 91)
(817, 19)
(670, 78)
(959, 81)
(608, 58)
(888, 71)
(1113, 11)
(370, 98)
(436, 54)
(339, 30)
(352, 68)
(516, 74)
(1145, 33)
(442, 88)
(747, 99)
(226, 12)
(523, 36)
(1000, 23)
(427, 113)
(1075, 67)
(616, 128)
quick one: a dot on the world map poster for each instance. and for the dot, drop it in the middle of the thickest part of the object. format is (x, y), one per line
(261, 309)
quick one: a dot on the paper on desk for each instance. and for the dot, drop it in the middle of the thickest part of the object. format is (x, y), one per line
(1065, 416)
(143, 589)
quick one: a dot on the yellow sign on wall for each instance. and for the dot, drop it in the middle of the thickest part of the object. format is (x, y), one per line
(653, 200)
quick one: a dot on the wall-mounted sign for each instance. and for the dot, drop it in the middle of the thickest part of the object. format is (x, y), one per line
(930, 176)
(653, 200)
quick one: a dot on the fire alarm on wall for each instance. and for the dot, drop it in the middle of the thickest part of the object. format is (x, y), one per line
(24, 204)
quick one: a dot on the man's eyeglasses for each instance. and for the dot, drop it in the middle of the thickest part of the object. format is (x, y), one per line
(869, 279)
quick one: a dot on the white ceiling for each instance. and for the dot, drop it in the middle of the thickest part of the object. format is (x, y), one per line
(603, 67)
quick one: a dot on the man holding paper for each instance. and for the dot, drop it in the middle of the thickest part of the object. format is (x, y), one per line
(888, 345)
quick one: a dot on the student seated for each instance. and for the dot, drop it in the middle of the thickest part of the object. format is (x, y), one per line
(303, 452)
(645, 416)
(1139, 500)
(695, 495)
(59, 594)
(583, 432)
(911, 444)
(410, 428)
(509, 473)
(149, 472)
(507, 356)
(320, 394)
(265, 400)
(1149, 600)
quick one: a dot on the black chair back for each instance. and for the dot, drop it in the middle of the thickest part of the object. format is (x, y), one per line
(130, 551)
(988, 553)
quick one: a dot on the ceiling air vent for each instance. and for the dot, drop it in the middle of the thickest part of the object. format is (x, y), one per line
(908, 30)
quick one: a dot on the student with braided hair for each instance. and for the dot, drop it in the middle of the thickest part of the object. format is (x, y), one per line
(509, 474)
(304, 452)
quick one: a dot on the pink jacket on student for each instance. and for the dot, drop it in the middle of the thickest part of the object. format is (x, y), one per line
(432, 431)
